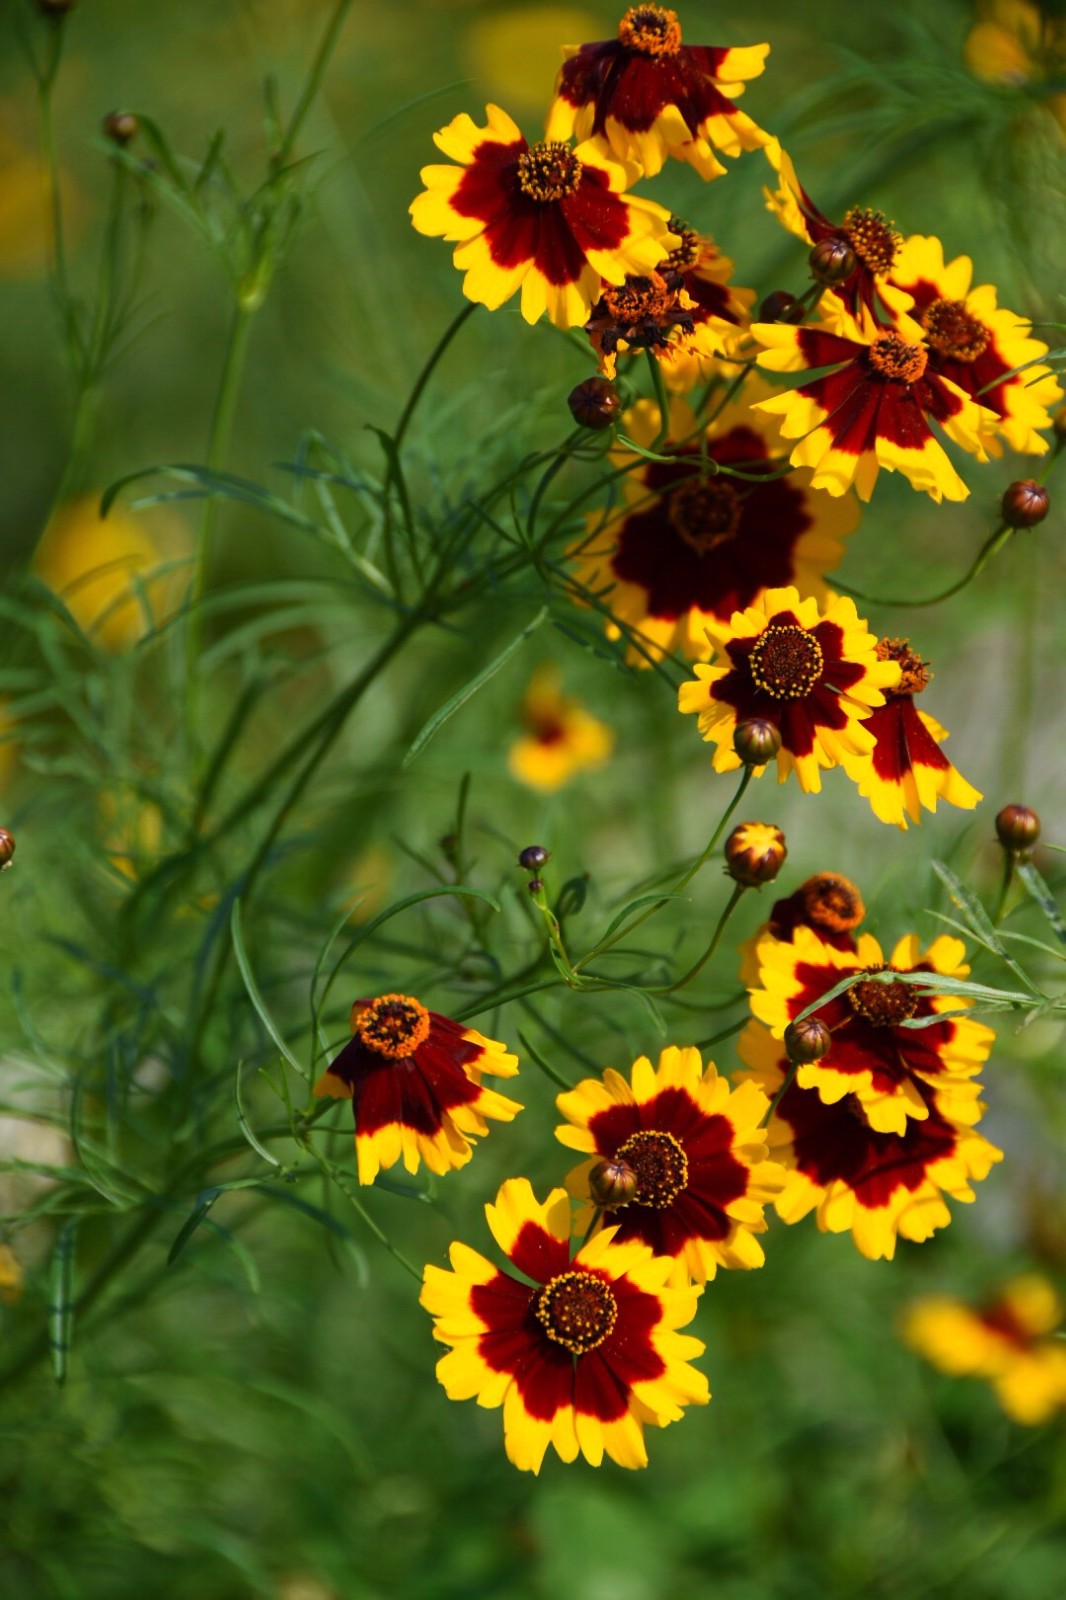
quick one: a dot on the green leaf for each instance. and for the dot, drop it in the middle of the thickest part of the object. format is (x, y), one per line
(243, 1123)
(1043, 896)
(545, 1066)
(253, 991)
(660, 897)
(204, 1201)
(61, 1306)
(978, 920)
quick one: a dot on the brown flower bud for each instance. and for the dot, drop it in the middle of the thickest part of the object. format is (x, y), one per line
(807, 1041)
(1025, 504)
(56, 8)
(535, 886)
(777, 306)
(594, 404)
(756, 741)
(533, 857)
(120, 126)
(1018, 828)
(832, 260)
(7, 847)
(612, 1184)
(755, 853)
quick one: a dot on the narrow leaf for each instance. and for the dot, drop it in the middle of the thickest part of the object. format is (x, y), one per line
(61, 1307)
(253, 991)
(467, 692)
(204, 1201)
(1043, 896)
(978, 920)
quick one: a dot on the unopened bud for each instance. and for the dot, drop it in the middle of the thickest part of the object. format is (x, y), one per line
(120, 126)
(807, 1041)
(612, 1184)
(1025, 504)
(756, 741)
(56, 8)
(594, 404)
(533, 857)
(7, 848)
(755, 853)
(832, 260)
(777, 306)
(535, 885)
(1018, 829)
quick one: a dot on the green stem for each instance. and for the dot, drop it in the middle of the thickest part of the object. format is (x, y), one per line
(428, 370)
(1004, 887)
(313, 83)
(218, 446)
(991, 547)
(786, 1084)
(727, 912)
(661, 398)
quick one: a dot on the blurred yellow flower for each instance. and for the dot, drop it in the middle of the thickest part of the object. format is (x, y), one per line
(516, 54)
(96, 565)
(25, 227)
(1014, 43)
(561, 738)
(133, 830)
(10, 1276)
(8, 744)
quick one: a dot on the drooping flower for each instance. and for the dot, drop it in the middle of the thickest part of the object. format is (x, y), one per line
(652, 96)
(581, 1357)
(906, 768)
(561, 737)
(874, 408)
(551, 221)
(978, 345)
(879, 1186)
(1012, 1340)
(814, 677)
(685, 547)
(414, 1080)
(696, 1148)
(648, 313)
(874, 1056)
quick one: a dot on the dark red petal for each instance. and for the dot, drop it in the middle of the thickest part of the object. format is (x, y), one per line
(822, 349)
(903, 740)
(791, 913)
(538, 1253)
(889, 1054)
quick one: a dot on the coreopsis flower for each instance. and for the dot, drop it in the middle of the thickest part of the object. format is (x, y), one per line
(651, 96)
(648, 313)
(698, 1152)
(1018, 45)
(875, 1058)
(685, 548)
(879, 1186)
(829, 904)
(1012, 1340)
(552, 222)
(873, 408)
(906, 769)
(581, 1357)
(814, 677)
(978, 345)
(755, 853)
(105, 569)
(10, 1276)
(561, 738)
(719, 311)
(414, 1080)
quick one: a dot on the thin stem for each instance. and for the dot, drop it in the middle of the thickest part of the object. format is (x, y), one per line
(991, 547)
(51, 161)
(313, 83)
(1004, 887)
(787, 1082)
(724, 1033)
(727, 911)
(428, 370)
(219, 440)
(597, 1215)
(661, 398)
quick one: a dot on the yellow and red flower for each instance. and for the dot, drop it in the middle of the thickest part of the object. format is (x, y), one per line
(814, 677)
(1012, 1340)
(561, 737)
(873, 408)
(552, 222)
(1018, 45)
(579, 1353)
(696, 1148)
(906, 769)
(978, 345)
(652, 96)
(829, 904)
(414, 1080)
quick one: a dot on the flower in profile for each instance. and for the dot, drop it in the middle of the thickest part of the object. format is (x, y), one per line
(561, 738)
(906, 768)
(873, 408)
(814, 677)
(698, 1152)
(581, 1357)
(875, 1058)
(104, 569)
(652, 96)
(1012, 1340)
(550, 221)
(414, 1080)
(647, 313)
(829, 904)
(984, 349)
(879, 1186)
(688, 546)
(1018, 45)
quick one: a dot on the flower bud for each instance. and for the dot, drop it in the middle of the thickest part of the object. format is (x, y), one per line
(1025, 504)
(776, 306)
(756, 741)
(7, 848)
(533, 857)
(755, 853)
(612, 1184)
(1018, 828)
(594, 404)
(832, 260)
(535, 886)
(56, 8)
(807, 1041)
(120, 126)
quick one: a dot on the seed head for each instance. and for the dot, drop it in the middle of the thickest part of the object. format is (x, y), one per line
(1025, 504)
(594, 404)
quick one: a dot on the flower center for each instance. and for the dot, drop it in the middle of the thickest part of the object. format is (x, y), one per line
(577, 1311)
(684, 256)
(660, 1164)
(832, 902)
(548, 171)
(639, 300)
(653, 30)
(705, 512)
(953, 332)
(915, 673)
(892, 357)
(873, 240)
(786, 662)
(886, 1005)
(393, 1025)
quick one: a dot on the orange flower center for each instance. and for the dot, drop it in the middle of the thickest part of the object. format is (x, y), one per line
(704, 512)
(832, 901)
(653, 30)
(886, 1005)
(873, 240)
(639, 300)
(577, 1311)
(786, 662)
(892, 357)
(953, 332)
(915, 672)
(660, 1164)
(548, 171)
(684, 256)
(393, 1025)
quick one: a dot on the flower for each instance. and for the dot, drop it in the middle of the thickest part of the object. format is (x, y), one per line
(581, 1358)
(104, 569)
(755, 853)
(649, 313)
(1016, 44)
(875, 1057)
(562, 738)
(687, 546)
(829, 904)
(542, 218)
(815, 677)
(874, 408)
(414, 1080)
(10, 1276)
(698, 1152)
(651, 96)
(906, 769)
(1008, 1340)
(978, 345)
(880, 1186)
